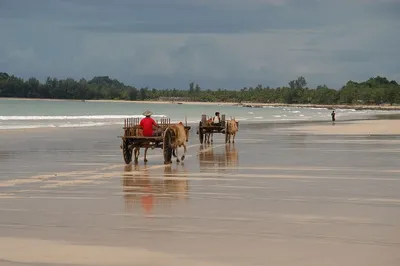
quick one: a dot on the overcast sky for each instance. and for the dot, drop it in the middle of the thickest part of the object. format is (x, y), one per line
(216, 43)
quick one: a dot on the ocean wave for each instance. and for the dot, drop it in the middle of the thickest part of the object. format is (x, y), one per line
(5, 127)
(318, 108)
(345, 110)
(98, 120)
(86, 125)
(73, 117)
(20, 124)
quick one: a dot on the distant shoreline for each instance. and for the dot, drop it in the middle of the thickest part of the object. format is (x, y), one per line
(244, 104)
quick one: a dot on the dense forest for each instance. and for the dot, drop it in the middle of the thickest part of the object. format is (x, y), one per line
(378, 90)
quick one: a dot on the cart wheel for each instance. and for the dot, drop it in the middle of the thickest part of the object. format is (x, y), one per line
(201, 136)
(127, 152)
(201, 133)
(167, 150)
(226, 133)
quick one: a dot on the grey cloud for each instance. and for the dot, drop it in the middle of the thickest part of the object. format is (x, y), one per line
(157, 42)
(389, 10)
(173, 27)
(159, 16)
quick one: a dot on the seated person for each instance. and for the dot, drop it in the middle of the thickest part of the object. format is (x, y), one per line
(147, 124)
(216, 121)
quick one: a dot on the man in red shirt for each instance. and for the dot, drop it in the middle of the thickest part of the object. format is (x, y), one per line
(147, 124)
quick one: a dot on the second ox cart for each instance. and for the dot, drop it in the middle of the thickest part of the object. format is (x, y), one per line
(206, 129)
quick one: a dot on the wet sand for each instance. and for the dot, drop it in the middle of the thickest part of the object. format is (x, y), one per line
(272, 198)
(366, 127)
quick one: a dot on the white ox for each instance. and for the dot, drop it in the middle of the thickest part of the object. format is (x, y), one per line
(232, 126)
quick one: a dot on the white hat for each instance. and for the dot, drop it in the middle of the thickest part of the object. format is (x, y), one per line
(147, 113)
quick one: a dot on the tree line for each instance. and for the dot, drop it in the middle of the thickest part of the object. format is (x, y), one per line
(377, 90)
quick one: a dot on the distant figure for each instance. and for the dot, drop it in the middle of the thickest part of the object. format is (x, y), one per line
(147, 124)
(333, 116)
(216, 119)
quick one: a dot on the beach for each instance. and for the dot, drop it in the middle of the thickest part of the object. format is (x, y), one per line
(280, 195)
(370, 127)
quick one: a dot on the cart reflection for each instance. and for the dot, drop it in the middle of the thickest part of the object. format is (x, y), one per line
(148, 189)
(218, 159)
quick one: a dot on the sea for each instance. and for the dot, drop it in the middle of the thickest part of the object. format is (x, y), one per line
(25, 114)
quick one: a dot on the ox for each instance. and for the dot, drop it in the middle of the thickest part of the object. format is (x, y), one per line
(179, 139)
(208, 136)
(138, 131)
(233, 127)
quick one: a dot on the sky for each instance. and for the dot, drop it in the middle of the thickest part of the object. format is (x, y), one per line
(214, 43)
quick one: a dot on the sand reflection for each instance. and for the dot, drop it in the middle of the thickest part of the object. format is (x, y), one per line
(149, 189)
(211, 158)
(4, 155)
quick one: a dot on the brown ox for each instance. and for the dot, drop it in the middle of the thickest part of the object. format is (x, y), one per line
(179, 139)
(208, 136)
(138, 131)
(232, 129)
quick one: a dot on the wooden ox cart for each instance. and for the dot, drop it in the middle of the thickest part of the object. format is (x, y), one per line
(206, 129)
(133, 139)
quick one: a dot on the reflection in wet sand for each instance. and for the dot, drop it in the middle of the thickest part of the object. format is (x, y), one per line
(211, 158)
(4, 155)
(231, 154)
(141, 188)
(174, 184)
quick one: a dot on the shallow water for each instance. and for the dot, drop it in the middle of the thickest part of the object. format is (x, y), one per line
(272, 198)
(16, 114)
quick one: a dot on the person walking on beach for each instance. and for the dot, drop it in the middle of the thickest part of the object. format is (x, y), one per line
(333, 116)
(147, 124)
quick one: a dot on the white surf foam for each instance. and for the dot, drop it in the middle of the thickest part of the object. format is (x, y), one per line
(24, 126)
(72, 117)
(193, 117)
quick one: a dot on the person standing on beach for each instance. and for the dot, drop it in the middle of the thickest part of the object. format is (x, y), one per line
(333, 116)
(147, 124)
